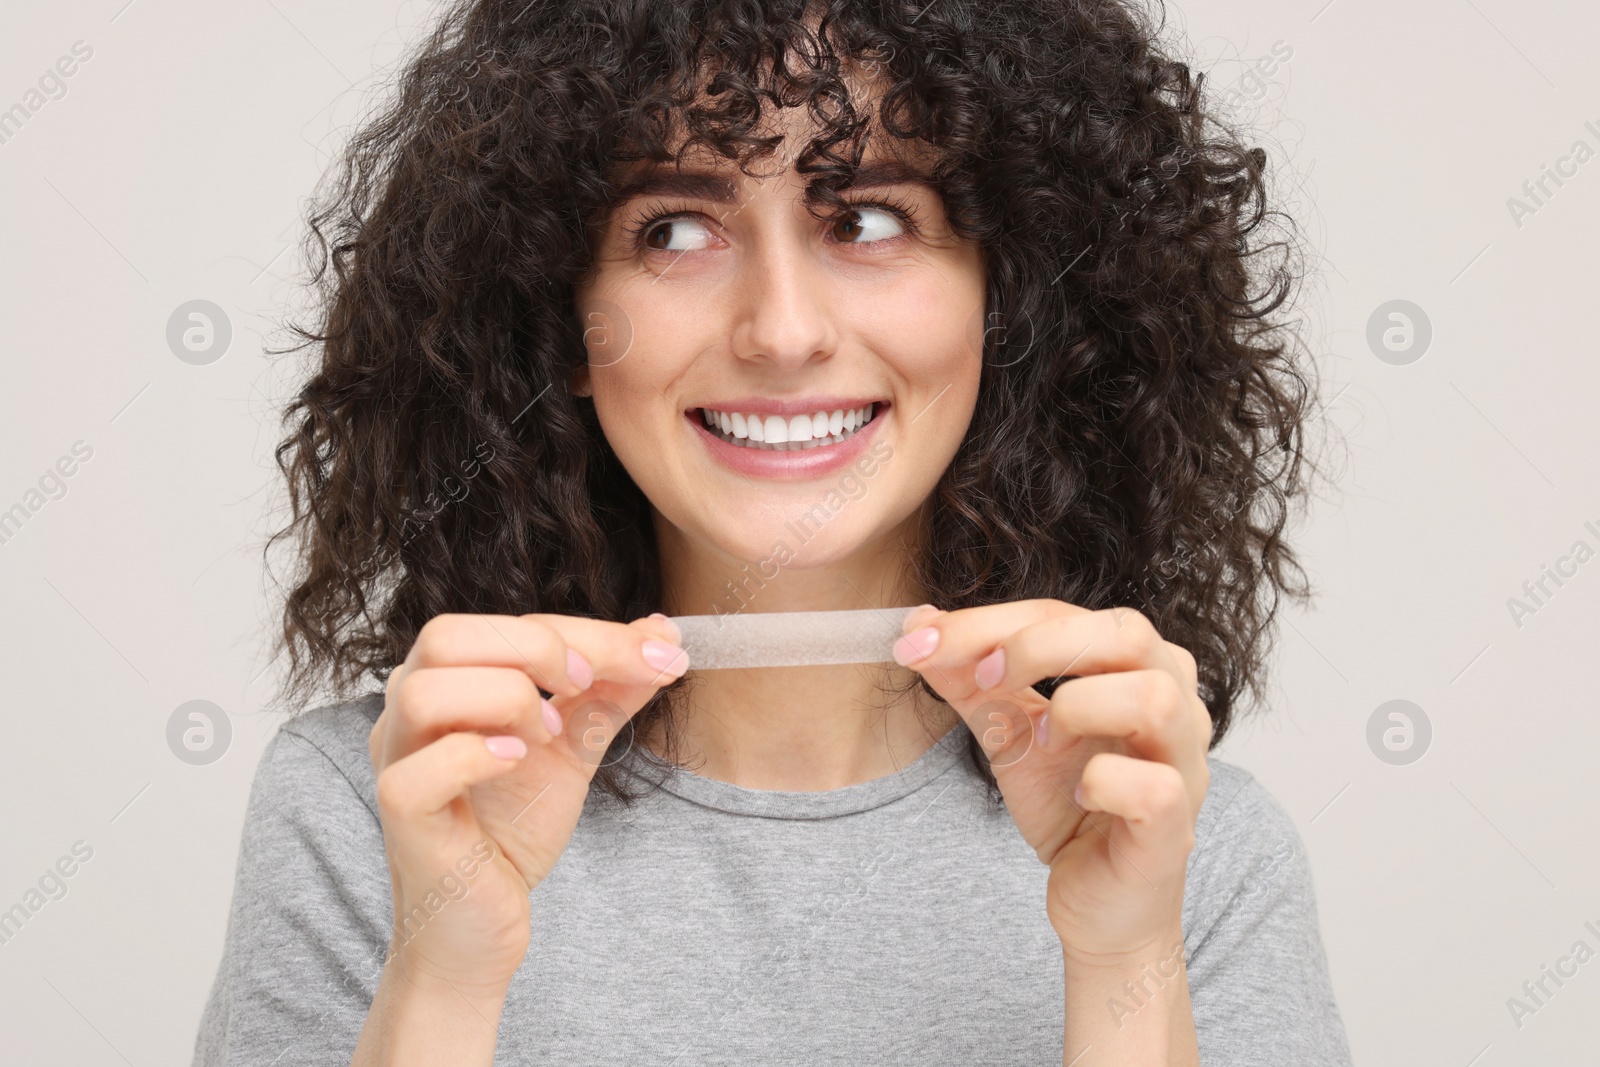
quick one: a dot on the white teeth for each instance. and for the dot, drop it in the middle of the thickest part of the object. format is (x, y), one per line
(774, 432)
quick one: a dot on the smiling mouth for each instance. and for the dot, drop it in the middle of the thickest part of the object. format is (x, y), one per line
(775, 433)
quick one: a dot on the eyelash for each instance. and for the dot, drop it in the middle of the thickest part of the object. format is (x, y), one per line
(658, 211)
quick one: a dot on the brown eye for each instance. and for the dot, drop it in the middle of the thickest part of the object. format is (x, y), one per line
(660, 235)
(848, 226)
(863, 225)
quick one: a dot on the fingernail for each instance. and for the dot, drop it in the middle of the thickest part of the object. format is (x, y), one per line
(506, 747)
(1044, 729)
(578, 670)
(1077, 796)
(677, 634)
(916, 645)
(552, 719)
(990, 669)
(668, 659)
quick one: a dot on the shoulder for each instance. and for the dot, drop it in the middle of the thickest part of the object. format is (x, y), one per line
(312, 820)
(1258, 972)
(1247, 851)
(343, 727)
(311, 912)
(319, 754)
(1239, 816)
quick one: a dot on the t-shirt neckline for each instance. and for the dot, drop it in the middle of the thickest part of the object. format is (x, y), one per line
(828, 803)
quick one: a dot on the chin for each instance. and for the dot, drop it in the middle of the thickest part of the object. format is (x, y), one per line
(799, 539)
(780, 547)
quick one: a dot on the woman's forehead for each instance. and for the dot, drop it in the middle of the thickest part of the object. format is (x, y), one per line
(716, 179)
(698, 171)
(793, 126)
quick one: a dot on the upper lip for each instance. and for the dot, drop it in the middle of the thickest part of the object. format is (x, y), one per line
(759, 405)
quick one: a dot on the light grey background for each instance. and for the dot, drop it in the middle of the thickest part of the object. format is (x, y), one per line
(174, 167)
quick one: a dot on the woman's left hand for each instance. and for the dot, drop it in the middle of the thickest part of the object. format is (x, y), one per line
(1104, 779)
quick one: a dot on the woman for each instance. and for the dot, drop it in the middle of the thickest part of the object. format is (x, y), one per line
(702, 308)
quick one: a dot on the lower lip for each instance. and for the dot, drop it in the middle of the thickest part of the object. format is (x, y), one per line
(796, 465)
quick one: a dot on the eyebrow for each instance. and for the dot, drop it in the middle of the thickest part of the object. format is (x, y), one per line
(663, 180)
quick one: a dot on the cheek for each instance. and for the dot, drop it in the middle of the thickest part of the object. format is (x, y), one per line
(608, 333)
(939, 357)
(637, 424)
(934, 323)
(632, 365)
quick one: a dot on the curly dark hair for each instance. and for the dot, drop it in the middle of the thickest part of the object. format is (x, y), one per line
(1140, 423)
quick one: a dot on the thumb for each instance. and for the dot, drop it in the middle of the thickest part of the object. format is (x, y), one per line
(660, 627)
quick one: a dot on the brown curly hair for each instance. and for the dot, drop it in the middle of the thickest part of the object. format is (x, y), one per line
(1140, 421)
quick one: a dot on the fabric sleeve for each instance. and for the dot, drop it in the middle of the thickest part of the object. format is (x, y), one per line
(1258, 974)
(310, 916)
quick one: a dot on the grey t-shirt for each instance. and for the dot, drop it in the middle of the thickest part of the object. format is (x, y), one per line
(899, 920)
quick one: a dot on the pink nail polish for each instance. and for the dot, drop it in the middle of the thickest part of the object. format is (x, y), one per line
(915, 646)
(677, 634)
(552, 718)
(669, 659)
(506, 747)
(578, 670)
(990, 669)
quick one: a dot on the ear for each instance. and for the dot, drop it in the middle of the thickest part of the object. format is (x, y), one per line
(578, 383)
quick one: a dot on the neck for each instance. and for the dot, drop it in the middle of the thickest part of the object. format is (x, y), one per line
(802, 729)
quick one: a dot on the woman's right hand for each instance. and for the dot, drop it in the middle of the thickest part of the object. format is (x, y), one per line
(481, 781)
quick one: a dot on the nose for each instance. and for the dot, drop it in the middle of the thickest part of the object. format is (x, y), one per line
(786, 316)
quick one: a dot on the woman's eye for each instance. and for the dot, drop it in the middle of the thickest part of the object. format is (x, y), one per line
(868, 222)
(859, 225)
(660, 236)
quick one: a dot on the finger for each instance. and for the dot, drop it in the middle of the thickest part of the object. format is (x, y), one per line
(1186, 663)
(416, 789)
(943, 646)
(1094, 642)
(1148, 709)
(661, 627)
(1151, 799)
(594, 718)
(1005, 727)
(919, 617)
(635, 654)
(524, 642)
(433, 701)
(956, 639)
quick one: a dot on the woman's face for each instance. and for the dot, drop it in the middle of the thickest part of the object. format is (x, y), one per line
(786, 391)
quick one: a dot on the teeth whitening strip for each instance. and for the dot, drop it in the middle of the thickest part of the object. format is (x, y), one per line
(791, 638)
